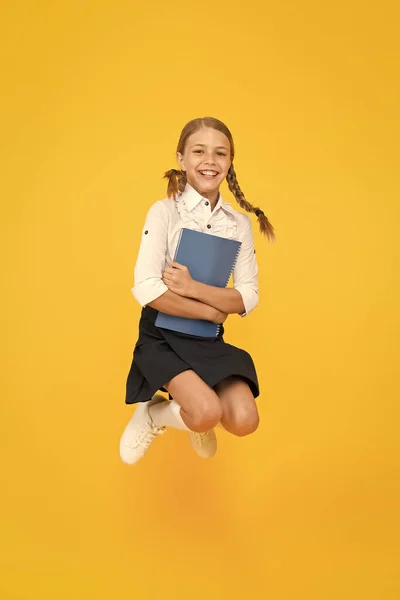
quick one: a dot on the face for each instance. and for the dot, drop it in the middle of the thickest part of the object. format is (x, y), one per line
(206, 160)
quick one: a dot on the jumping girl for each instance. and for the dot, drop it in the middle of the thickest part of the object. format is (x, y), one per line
(209, 382)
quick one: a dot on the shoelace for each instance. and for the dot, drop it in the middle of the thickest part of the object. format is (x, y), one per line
(147, 435)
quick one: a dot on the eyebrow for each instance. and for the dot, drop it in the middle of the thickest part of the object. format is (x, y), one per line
(224, 147)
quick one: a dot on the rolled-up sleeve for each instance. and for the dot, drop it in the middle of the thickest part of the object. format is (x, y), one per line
(150, 263)
(245, 273)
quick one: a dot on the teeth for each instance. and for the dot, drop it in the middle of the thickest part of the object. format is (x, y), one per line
(207, 173)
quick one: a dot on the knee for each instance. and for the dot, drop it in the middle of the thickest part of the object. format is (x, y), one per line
(205, 416)
(242, 423)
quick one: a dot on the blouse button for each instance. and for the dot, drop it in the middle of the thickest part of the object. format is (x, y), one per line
(209, 226)
(146, 231)
(207, 203)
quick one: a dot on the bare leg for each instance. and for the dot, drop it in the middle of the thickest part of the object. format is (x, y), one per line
(200, 406)
(239, 410)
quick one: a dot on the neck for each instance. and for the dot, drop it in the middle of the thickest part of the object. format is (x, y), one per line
(212, 197)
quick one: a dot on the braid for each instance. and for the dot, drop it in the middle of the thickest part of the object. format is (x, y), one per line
(265, 226)
(176, 182)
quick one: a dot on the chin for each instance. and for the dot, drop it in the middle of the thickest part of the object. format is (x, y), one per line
(208, 185)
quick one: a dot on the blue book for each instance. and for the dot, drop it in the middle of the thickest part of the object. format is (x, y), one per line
(211, 260)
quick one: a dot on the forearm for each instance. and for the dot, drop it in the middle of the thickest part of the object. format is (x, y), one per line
(180, 306)
(227, 300)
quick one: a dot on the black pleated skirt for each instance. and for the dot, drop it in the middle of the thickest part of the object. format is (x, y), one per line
(160, 354)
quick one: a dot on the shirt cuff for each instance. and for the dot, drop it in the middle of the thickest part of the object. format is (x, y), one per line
(249, 297)
(147, 291)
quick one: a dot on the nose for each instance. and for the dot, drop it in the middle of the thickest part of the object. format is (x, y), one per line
(208, 159)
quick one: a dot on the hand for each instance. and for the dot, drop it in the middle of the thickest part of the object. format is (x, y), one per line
(178, 279)
(218, 316)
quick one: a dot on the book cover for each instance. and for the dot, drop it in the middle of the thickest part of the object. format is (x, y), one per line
(211, 260)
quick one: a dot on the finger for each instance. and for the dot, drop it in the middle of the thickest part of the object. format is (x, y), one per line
(177, 265)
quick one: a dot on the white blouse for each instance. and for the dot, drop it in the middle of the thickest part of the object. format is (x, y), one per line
(160, 233)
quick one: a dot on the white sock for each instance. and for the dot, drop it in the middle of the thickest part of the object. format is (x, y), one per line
(167, 414)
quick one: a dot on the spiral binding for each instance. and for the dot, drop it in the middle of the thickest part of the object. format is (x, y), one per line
(233, 266)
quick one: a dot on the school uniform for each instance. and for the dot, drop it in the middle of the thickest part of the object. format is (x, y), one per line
(160, 354)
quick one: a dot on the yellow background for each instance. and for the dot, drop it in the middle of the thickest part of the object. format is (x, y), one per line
(94, 97)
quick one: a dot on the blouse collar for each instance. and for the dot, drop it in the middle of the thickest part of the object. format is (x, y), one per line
(191, 197)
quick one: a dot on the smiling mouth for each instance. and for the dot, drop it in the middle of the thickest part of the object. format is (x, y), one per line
(207, 174)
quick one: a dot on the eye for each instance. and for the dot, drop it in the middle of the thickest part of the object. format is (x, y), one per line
(197, 150)
(222, 153)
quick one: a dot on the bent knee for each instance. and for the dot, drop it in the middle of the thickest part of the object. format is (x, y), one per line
(205, 416)
(242, 425)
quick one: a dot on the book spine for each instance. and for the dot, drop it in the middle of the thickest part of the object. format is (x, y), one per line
(233, 266)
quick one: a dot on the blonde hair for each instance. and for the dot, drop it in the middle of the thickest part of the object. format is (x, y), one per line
(177, 178)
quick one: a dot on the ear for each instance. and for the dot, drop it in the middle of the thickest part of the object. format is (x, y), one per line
(180, 161)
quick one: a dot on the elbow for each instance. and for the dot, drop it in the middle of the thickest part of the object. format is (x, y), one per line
(148, 291)
(250, 300)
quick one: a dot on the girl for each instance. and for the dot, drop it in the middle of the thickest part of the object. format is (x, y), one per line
(209, 382)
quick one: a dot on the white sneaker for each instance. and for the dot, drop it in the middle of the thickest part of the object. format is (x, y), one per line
(140, 432)
(205, 444)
